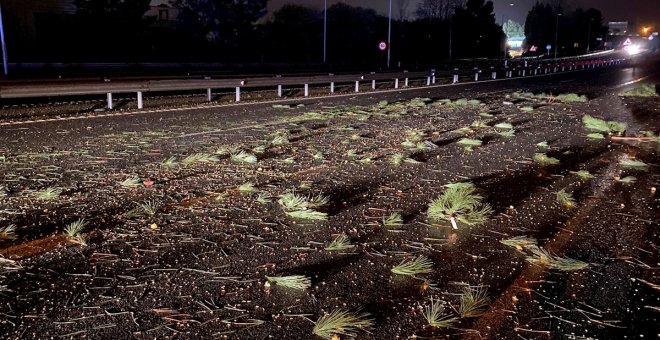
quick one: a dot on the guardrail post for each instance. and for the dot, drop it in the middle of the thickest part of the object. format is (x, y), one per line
(455, 80)
(279, 90)
(373, 84)
(476, 74)
(432, 76)
(493, 74)
(428, 80)
(555, 70)
(209, 95)
(109, 101)
(139, 100)
(524, 72)
(238, 93)
(357, 86)
(405, 82)
(332, 87)
(396, 83)
(306, 90)
(563, 68)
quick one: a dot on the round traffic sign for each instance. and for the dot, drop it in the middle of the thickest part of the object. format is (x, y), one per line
(382, 46)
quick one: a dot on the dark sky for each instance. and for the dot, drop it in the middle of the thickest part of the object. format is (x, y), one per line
(643, 12)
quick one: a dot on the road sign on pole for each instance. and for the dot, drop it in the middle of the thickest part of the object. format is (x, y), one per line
(382, 46)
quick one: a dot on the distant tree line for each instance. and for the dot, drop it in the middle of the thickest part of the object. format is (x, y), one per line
(240, 31)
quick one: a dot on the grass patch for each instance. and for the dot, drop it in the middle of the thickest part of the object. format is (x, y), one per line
(419, 265)
(341, 322)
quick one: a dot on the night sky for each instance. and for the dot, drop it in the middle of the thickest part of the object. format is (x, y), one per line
(642, 12)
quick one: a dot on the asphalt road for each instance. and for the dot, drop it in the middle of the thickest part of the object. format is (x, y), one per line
(57, 133)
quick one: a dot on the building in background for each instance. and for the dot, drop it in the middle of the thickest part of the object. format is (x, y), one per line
(617, 28)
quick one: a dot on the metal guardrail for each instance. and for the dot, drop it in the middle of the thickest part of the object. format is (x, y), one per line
(82, 88)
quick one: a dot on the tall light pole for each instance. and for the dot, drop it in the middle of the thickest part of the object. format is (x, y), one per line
(389, 36)
(557, 35)
(589, 35)
(506, 37)
(325, 28)
(4, 47)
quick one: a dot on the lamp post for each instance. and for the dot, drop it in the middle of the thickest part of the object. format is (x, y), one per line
(325, 28)
(589, 35)
(389, 35)
(5, 65)
(506, 37)
(557, 35)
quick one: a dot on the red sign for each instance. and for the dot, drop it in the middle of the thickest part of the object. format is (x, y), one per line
(382, 46)
(533, 48)
(627, 42)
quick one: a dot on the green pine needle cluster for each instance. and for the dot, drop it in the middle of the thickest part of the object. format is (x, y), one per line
(565, 199)
(302, 207)
(247, 187)
(435, 315)
(419, 265)
(393, 220)
(199, 158)
(583, 174)
(460, 202)
(48, 194)
(74, 228)
(341, 322)
(474, 302)
(542, 257)
(519, 242)
(243, 157)
(633, 164)
(131, 182)
(600, 127)
(469, 144)
(545, 160)
(644, 90)
(294, 281)
(340, 243)
(8, 232)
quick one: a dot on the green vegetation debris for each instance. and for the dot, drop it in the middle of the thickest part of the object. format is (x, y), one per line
(341, 322)
(544, 160)
(474, 302)
(461, 203)
(419, 265)
(294, 281)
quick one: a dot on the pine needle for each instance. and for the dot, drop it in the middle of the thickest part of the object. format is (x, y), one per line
(393, 220)
(308, 215)
(474, 302)
(634, 164)
(565, 199)
(542, 257)
(48, 194)
(596, 136)
(435, 315)
(130, 182)
(460, 202)
(583, 174)
(199, 158)
(340, 243)
(294, 281)
(341, 322)
(8, 232)
(419, 265)
(470, 142)
(519, 242)
(542, 145)
(628, 180)
(169, 163)
(247, 187)
(74, 228)
(149, 208)
(243, 157)
(544, 160)
(396, 159)
(506, 126)
(507, 133)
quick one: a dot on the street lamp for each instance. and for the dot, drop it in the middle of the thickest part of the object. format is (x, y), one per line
(4, 47)
(389, 36)
(325, 28)
(557, 34)
(589, 35)
(506, 37)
